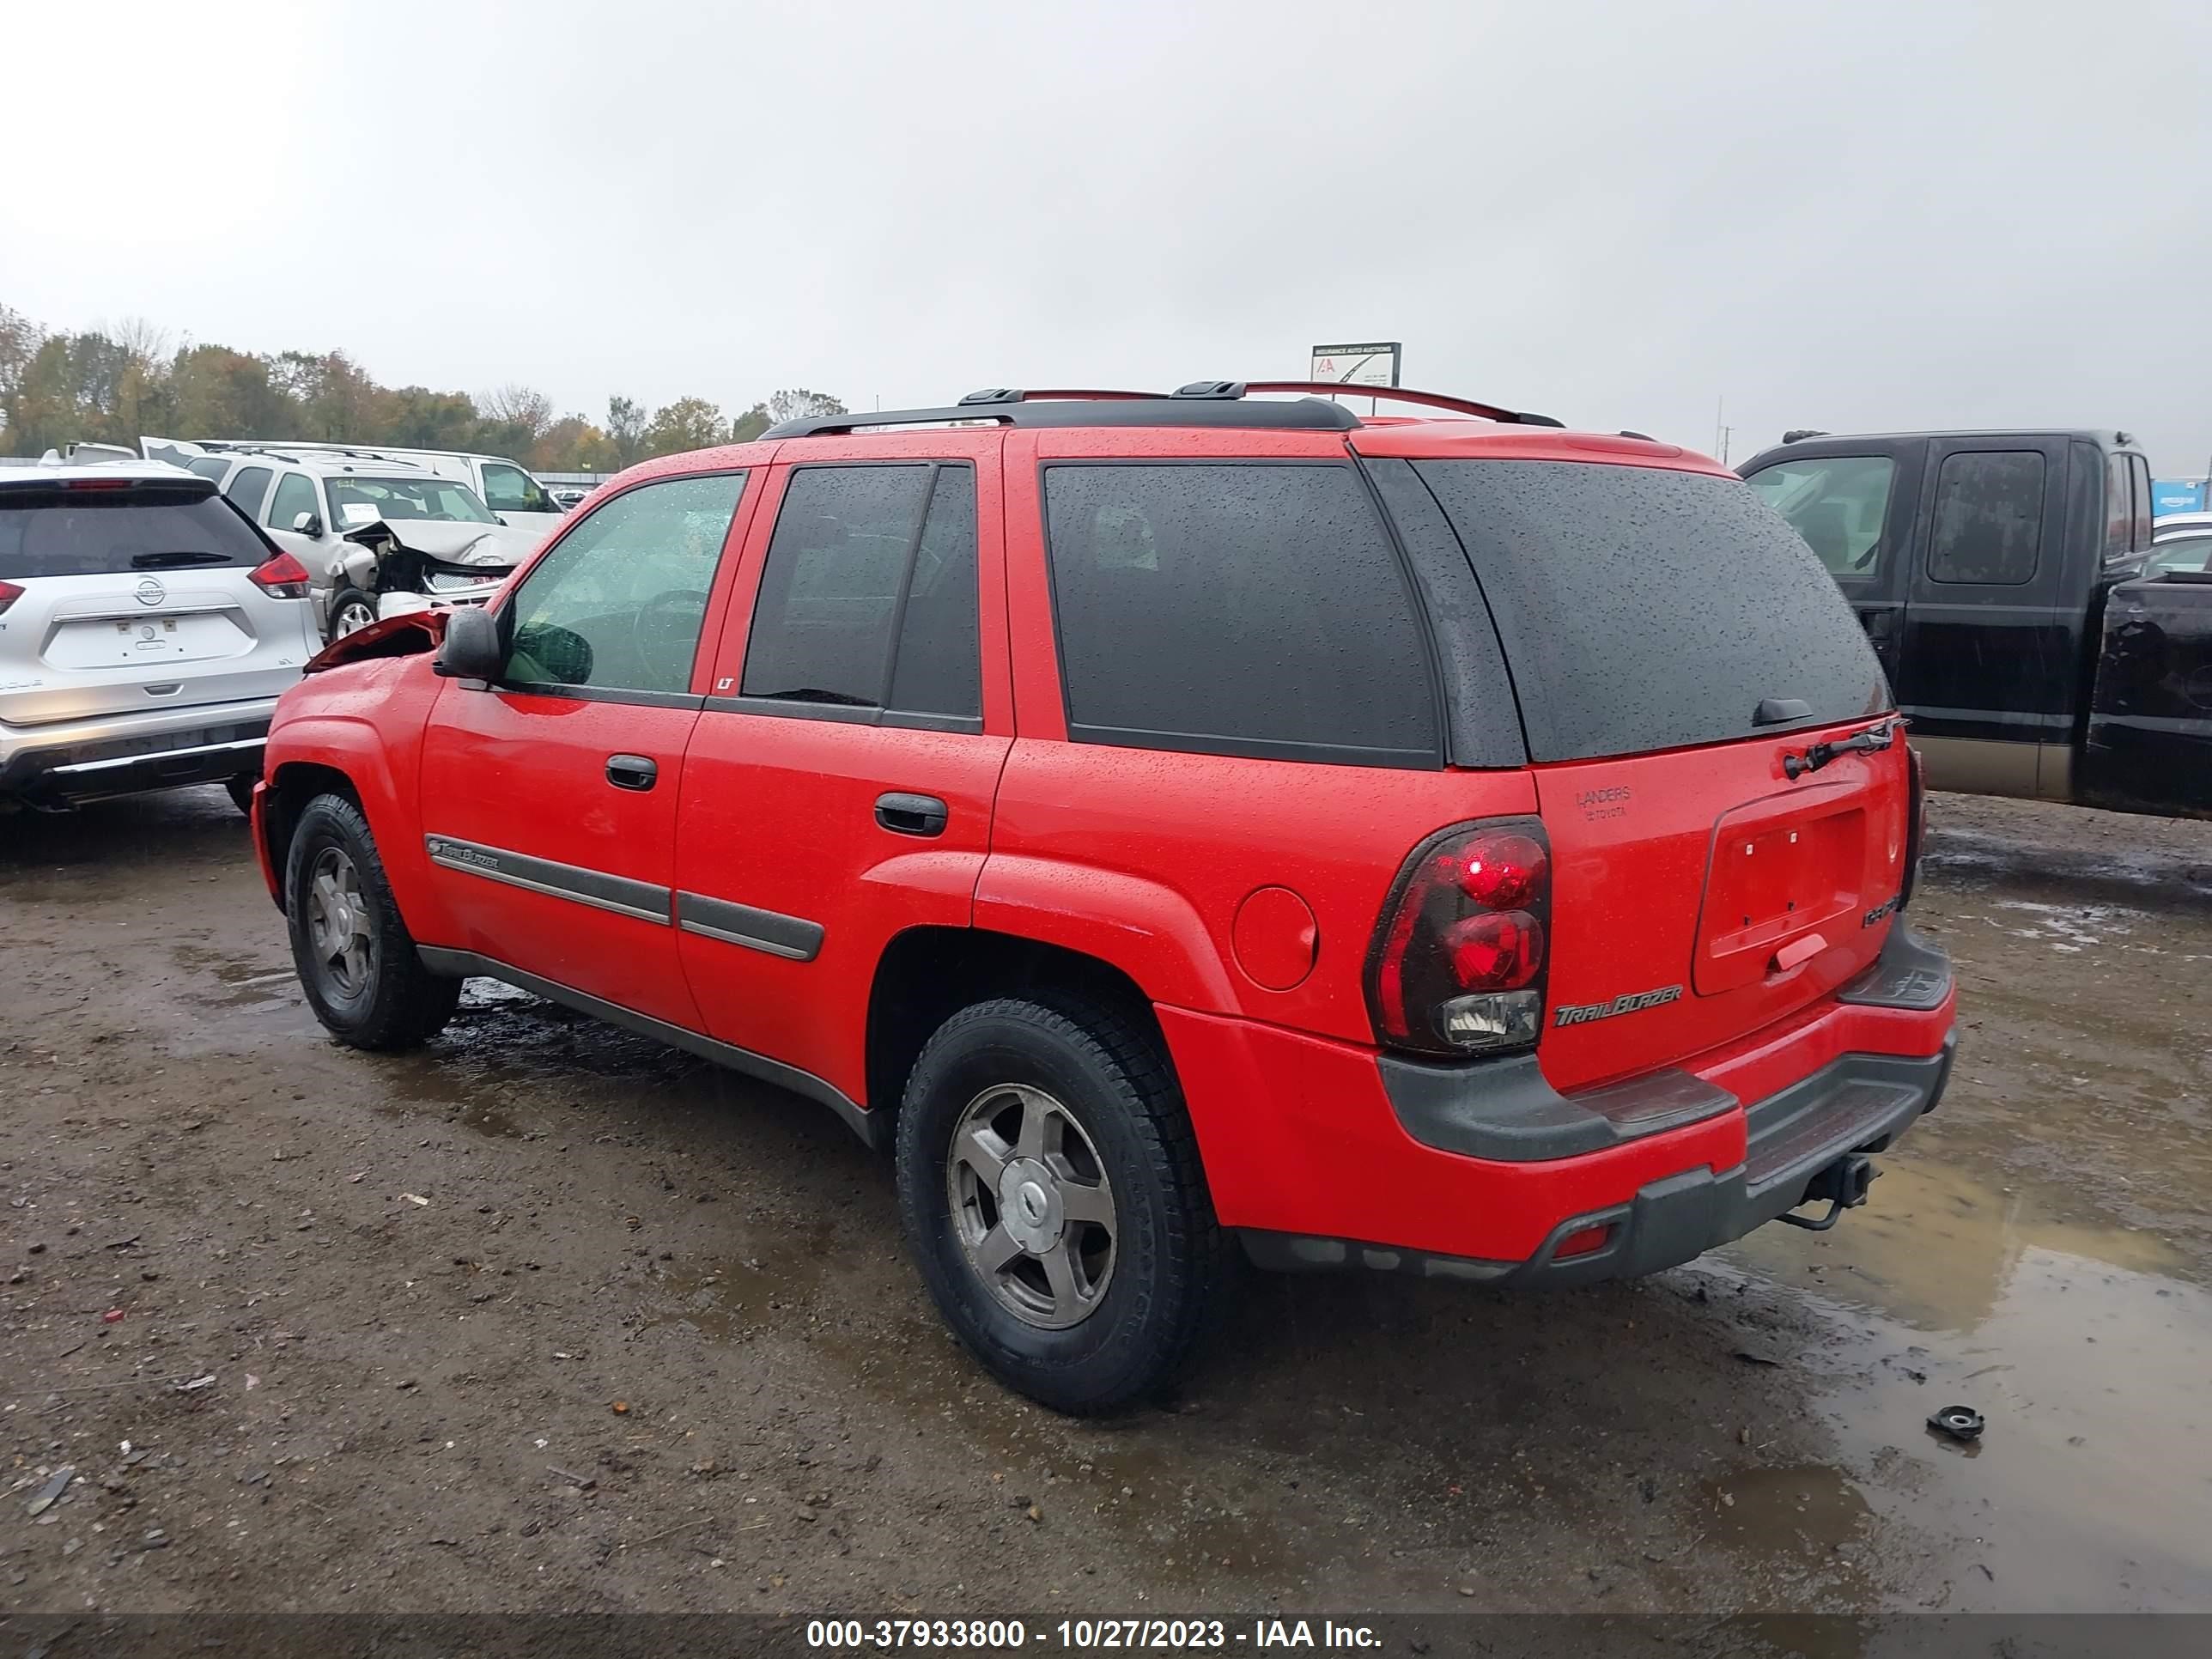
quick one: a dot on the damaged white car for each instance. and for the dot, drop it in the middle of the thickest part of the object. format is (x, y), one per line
(379, 537)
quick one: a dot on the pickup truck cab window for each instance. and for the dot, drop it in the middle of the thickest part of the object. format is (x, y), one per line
(1988, 518)
(619, 604)
(2119, 508)
(1839, 504)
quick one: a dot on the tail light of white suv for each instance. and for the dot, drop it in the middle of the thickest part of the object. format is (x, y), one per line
(281, 578)
(1457, 965)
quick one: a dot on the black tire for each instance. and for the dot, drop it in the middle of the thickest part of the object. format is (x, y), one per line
(241, 792)
(394, 1002)
(347, 603)
(1157, 1299)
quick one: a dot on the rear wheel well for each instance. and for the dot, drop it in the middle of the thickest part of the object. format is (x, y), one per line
(290, 788)
(926, 974)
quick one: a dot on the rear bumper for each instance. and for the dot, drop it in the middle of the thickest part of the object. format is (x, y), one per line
(125, 754)
(1321, 1155)
(1860, 1103)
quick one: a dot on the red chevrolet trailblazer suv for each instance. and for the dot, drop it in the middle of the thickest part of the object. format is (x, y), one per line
(1454, 845)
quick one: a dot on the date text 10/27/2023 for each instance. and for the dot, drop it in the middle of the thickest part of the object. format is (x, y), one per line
(1085, 1635)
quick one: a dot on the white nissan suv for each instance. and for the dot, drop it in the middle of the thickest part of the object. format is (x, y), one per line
(147, 627)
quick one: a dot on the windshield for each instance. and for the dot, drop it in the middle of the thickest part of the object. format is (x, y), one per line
(357, 502)
(2191, 553)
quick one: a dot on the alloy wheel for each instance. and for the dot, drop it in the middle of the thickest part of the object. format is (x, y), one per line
(1031, 1205)
(338, 930)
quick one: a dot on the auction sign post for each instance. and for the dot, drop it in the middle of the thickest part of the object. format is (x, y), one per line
(1373, 364)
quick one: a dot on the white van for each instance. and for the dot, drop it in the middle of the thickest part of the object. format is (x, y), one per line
(505, 486)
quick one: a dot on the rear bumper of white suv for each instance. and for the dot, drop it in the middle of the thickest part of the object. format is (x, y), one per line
(71, 761)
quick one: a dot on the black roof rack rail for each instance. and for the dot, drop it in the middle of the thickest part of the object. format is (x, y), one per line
(1200, 403)
(1206, 403)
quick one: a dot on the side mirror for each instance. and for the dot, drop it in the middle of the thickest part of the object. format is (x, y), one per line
(473, 649)
(307, 524)
(502, 516)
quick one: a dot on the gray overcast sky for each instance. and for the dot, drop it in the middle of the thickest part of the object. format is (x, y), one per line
(1846, 217)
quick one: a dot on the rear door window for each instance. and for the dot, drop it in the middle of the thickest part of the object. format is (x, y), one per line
(249, 487)
(1241, 608)
(1644, 609)
(2139, 470)
(938, 667)
(868, 600)
(49, 531)
(1988, 526)
(1837, 503)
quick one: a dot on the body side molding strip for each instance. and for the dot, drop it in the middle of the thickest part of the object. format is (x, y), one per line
(619, 893)
(793, 938)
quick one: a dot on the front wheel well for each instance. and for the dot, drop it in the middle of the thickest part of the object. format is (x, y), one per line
(926, 974)
(291, 787)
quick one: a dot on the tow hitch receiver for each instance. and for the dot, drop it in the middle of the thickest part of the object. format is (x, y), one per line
(1842, 1183)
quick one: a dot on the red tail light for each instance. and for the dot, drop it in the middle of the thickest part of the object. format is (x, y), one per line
(9, 594)
(282, 578)
(1457, 966)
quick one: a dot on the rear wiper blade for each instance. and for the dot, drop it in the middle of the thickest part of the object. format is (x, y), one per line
(175, 560)
(1820, 754)
(815, 694)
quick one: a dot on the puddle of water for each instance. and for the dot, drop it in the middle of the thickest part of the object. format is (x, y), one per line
(730, 1299)
(1935, 1245)
(2071, 927)
(2083, 1345)
(1809, 1512)
(2091, 1487)
(254, 999)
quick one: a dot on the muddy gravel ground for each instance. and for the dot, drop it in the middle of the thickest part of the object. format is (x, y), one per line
(550, 1317)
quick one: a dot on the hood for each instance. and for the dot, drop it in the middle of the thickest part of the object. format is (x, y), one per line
(461, 543)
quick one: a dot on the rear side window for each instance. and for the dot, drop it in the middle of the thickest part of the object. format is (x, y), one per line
(1837, 503)
(1644, 609)
(1237, 608)
(2140, 493)
(1988, 517)
(868, 600)
(249, 487)
(46, 531)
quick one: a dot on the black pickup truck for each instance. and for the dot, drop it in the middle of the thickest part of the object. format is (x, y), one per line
(2002, 577)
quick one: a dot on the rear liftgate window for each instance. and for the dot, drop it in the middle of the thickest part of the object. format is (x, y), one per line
(1238, 609)
(52, 531)
(1644, 609)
